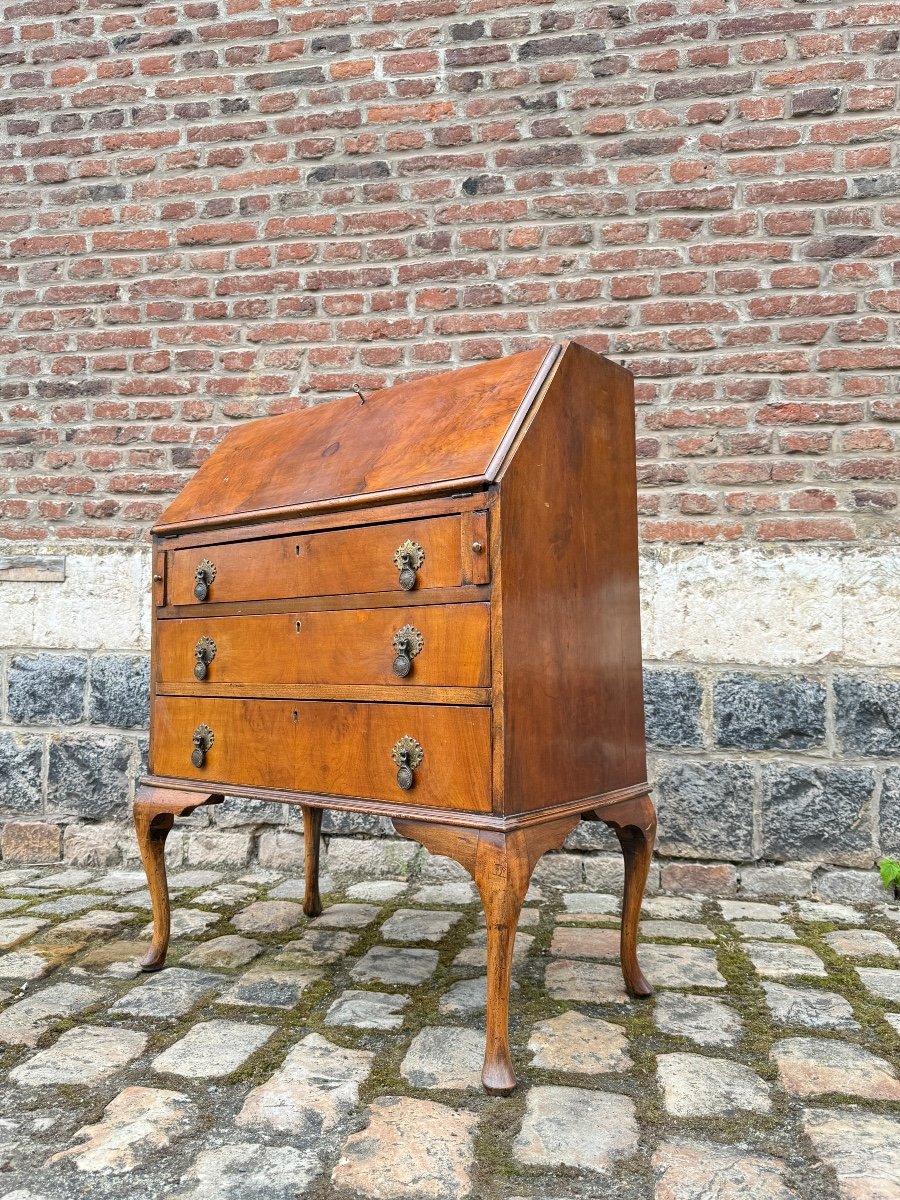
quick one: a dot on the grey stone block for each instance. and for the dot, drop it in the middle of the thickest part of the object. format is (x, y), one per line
(90, 775)
(868, 714)
(337, 824)
(216, 848)
(437, 868)
(559, 870)
(705, 810)
(889, 838)
(47, 689)
(776, 881)
(592, 835)
(349, 824)
(120, 690)
(350, 860)
(672, 708)
(820, 813)
(758, 712)
(605, 873)
(20, 772)
(238, 811)
(280, 850)
(854, 886)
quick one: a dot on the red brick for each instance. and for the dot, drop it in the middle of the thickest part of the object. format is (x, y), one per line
(868, 439)
(667, 312)
(768, 108)
(872, 358)
(805, 529)
(874, 501)
(885, 299)
(432, 111)
(816, 190)
(801, 305)
(676, 418)
(702, 198)
(692, 531)
(805, 443)
(767, 50)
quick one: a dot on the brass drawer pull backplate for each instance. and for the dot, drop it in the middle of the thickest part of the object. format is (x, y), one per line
(407, 754)
(203, 740)
(203, 577)
(408, 558)
(204, 653)
(407, 643)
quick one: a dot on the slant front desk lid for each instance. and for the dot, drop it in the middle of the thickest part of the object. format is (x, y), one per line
(418, 438)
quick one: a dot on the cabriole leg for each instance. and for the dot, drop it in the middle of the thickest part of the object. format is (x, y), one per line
(634, 822)
(501, 865)
(312, 833)
(502, 871)
(155, 810)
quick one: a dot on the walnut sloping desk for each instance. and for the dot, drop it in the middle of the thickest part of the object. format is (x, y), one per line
(422, 605)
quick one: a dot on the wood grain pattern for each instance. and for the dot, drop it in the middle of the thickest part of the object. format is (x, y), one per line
(312, 836)
(277, 524)
(572, 691)
(335, 647)
(634, 822)
(375, 693)
(329, 748)
(434, 430)
(321, 564)
(459, 818)
(154, 813)
(465, 594)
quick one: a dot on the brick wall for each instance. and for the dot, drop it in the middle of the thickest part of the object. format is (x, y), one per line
(215, 211)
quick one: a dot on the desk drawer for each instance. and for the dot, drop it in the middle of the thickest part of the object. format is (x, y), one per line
(368, 558)
(342, 646)
(328, 748)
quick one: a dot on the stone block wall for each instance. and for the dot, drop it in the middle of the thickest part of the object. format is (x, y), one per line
(767, 782)
(222, 209)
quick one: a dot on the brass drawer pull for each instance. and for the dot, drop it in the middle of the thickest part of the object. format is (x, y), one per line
(203, 740)
(407, 643)
(408, 558)
(407, 754)
(203, 577)
(204, 653)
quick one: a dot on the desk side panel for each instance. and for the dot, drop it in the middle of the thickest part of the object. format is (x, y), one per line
(572, 691)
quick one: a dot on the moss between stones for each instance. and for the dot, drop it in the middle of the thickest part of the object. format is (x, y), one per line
(875, 1035)
(496, 1174)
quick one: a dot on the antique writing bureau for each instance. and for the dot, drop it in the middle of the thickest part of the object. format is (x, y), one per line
(423, 604)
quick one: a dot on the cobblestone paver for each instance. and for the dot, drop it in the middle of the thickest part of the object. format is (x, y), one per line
(282, 1058)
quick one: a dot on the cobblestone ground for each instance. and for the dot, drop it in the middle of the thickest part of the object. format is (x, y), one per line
(277, 1057)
